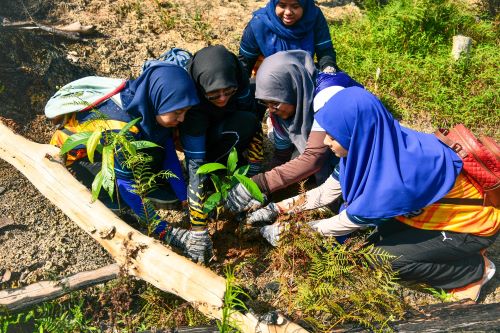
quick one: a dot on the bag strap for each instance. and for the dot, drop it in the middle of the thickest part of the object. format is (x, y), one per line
(455, 146)
(461, 201)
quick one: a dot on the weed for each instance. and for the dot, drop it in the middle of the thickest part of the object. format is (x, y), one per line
(440, 294)
(54, 316)
(328, 284)
(232, 303)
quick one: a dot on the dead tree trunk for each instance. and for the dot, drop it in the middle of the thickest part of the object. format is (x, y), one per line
(36, 293)
(142, 256)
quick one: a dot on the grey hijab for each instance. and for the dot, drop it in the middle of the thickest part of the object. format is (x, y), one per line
(288, 77)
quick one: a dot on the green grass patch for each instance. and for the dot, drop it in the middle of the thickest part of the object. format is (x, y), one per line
(411, 41)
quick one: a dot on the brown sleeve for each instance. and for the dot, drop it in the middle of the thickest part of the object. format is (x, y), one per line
(301, 167)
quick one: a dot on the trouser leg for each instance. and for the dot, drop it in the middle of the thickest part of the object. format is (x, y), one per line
(441, 259)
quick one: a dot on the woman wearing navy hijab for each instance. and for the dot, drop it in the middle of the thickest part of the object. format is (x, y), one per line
(284, 25)
(161, 97)
(393, 177)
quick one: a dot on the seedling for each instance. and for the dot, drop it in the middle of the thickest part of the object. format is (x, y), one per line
(225, 183)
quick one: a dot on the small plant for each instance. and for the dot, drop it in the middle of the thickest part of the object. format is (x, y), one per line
(53, 316)
(120, 147)
(232, 303)
(441, 294)
(225, 183)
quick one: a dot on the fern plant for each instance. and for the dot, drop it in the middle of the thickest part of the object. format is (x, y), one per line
(328, 284)
(224, 183)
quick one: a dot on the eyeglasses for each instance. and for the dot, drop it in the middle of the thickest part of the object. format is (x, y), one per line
(270, 105)
(226, 93)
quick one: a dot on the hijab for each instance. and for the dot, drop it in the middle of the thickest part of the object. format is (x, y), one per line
(288, 77)
(273, 36)
(389, 170)
(160, 89)
(213, 68)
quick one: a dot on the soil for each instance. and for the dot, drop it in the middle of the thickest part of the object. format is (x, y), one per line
(41, 242)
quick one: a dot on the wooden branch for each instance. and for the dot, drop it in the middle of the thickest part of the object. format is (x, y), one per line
(142, 256)
(30, 25)
(20, 298)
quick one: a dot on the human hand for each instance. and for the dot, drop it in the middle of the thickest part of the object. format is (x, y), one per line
(239, 200)
(272, 233)
(195, 244)
(267, 214)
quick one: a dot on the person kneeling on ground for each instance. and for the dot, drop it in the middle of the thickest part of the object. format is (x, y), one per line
(393, 178)
(161, 96)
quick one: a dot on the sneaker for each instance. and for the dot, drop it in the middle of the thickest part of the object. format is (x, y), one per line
(162, 198)
(472, 290)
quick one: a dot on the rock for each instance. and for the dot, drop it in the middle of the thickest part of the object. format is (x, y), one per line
(461, 46)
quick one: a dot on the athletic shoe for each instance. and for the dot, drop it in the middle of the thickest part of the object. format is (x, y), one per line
(472, 290)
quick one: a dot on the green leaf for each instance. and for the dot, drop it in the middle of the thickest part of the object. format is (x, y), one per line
(232, 160)
(217, 182)
(225, 189)
(108, 171)
(75, 140)
(242, 170)
(143, 144)
(92, 143)
(212, 202)
(127, 145)
(210, 167)
(250, 186)
(97, 185)
(129, 125)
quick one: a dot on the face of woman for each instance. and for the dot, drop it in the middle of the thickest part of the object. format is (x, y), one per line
(220, 97)
(172, 119)
(282, 110)
(334, 146)
(289, 11)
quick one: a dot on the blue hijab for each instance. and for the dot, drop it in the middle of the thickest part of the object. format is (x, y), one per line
(160, 89)
(273, 36)
(389, 170)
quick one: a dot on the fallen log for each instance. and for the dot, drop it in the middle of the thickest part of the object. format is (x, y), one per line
(36, 293)
(446, 317)
(141, 256)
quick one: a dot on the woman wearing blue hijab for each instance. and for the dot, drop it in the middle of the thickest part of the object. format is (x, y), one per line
(396, 178)
(161, 97)
(284, 25)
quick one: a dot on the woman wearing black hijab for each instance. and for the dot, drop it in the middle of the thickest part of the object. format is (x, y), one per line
(225, 118)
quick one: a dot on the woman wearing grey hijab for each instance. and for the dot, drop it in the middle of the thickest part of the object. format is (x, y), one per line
(285, 84)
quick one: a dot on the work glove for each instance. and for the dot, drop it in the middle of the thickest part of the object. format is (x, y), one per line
(265, 215)
(195, 244)
(240, 200)
(272, 233)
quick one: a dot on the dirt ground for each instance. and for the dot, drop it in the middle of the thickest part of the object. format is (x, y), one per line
(41, 241)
